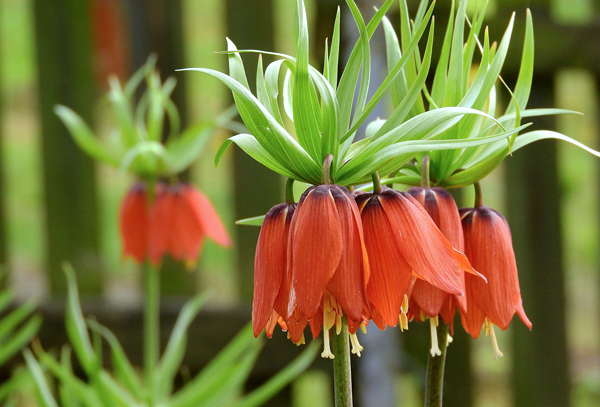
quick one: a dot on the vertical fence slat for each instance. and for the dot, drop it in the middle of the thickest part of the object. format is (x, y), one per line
(65, 76)
(540, 367)
(250, 26)
(3, 249)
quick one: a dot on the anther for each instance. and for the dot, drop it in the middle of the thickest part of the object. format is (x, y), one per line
(356, 346)
(497, 353)
(326, 348)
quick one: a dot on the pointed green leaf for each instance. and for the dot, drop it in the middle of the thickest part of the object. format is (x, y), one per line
(124, 371)
(85, 137)
(268, 132)
(255, 221)
(392, 75)
(182, 151)
(392, 47)
(305, 120)
(20, 338)
(75, 324)
(42, 390)
(334, 53)
(275, 384)
(171, 360)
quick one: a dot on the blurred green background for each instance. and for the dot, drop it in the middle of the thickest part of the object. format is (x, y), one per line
(61, 52)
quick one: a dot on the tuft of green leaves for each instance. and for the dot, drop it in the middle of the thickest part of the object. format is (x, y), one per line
(17, 327)
(324, 112)
(140, 128)
(219, 383)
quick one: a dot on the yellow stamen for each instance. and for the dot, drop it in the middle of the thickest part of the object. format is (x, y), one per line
(435, 349)
(338, 324)
(301, 341)
(402, 318)
(363, 327)
(404, 306)
(326, 348)
(497, 353)
(449, 340)
(356, 346)
(403, 322)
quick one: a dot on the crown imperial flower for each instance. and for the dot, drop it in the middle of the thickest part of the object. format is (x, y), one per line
(424, 297)
(488, 245)
(402, 240)
(175, 222)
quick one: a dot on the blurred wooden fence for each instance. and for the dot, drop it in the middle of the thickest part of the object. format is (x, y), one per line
(540, 365)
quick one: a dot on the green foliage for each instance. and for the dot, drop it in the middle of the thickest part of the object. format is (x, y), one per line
(220, 382)
(455, 122)
(137, 143)
(17, 328)
(454, 87)
(325, 114)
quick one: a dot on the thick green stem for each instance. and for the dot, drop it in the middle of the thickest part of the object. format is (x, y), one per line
(326, 175)
(478, 197)
(435, 370)
(342, 374)
(376, 182)
(425, 172)
(151, 324)
(289, 191)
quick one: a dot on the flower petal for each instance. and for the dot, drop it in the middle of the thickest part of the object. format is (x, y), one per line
(209, 220)
(348, 283)
(427, 298)
(160, 225)
(270, 264)
(133, 223)
(316, 247)
(390, 273)
(421, 243)
(488, 245)
(187, 234)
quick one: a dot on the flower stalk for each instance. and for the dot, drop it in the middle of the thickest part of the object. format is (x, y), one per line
(435, 370)
(151, 323)
(478, 195)
(342, 373)
(326, 175)
(425, 172)
(289, 191)
(376, 182)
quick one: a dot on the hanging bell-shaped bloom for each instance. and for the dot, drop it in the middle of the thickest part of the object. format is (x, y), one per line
(424, 297)
(488, 245)
(180, 218)
(270, 264)
(327, 252)
(327, 261)
(403, 241)
(133, 223)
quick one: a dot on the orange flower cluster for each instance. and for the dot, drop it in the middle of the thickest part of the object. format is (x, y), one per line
(174, 222)
(385, 257)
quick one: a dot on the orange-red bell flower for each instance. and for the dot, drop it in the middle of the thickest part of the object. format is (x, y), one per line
(180, 219)
(402, 240)
(270, 264)
(327, 260)
(133, 223)
(311, 266)
(175, 222)
(424, 297)
(488, 245)
(326, 252)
